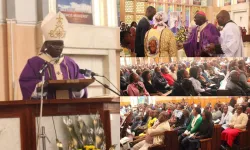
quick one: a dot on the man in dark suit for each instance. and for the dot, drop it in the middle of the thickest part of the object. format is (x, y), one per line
(141, 29)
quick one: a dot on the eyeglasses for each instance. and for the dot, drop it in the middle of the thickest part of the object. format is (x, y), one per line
(57, 46)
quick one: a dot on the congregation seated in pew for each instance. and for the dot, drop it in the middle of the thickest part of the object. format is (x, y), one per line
(205, 77)
(191, 122)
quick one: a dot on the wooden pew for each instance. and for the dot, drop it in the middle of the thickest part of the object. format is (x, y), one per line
(223, 92)
(244, 138)
(170, 142)
(216, 139)
(206, 144)
(124, 125)
(214, 142)
(246, 38)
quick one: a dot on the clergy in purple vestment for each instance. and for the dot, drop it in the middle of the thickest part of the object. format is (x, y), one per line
(201, 37)
(59, 67)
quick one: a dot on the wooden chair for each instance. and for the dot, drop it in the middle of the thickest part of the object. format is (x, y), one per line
(170, 142)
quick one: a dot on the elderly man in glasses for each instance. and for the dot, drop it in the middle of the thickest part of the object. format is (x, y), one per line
(59, 67)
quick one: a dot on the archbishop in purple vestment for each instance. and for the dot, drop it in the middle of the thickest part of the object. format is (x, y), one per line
(201, 37)
(30, 78)
(208, 35)
(59, 67)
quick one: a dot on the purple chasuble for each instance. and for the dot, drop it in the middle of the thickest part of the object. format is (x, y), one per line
(30, 75)
(208, 35)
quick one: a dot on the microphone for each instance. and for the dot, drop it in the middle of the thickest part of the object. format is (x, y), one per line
(45, 65)
(89, 73)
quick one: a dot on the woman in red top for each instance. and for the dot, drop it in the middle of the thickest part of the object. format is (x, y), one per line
(167, 76)
(133, 33)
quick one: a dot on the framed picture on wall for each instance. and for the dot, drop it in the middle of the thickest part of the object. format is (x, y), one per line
(227, 2)
(241, 1)
(196, 2)
(76, 11)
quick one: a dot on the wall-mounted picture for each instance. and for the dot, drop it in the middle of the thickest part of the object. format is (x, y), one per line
(76, 11)
(227, 2)
(197, 2)
(241, 1)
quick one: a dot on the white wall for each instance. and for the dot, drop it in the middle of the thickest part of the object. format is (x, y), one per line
(2, 11)
(243, 9)
(94, 48)
(26, 11)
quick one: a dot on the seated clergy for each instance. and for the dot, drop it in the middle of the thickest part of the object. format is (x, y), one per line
(226, 117)
(59, 67)
(237, 124)
(156, 132)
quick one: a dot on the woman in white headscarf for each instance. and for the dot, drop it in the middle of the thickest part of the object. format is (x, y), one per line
(160, 41)
(160, 20)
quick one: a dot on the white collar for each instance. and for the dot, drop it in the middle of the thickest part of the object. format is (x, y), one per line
(48, 58)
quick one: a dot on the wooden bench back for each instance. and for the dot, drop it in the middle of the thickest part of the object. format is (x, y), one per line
(171, 140)
(125, 125)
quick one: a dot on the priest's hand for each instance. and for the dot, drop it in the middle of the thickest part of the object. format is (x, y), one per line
(211, 47)
(39, 86)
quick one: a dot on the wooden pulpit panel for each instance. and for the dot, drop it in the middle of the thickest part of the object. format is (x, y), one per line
(76, 84)
(28, 110)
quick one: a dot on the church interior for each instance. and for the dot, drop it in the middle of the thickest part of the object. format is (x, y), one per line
(154, 106)
(93, 46)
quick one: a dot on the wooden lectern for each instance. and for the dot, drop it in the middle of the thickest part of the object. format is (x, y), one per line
(28, 110)
(61, 88)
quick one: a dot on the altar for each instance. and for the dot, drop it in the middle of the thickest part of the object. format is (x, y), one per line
(19, 121)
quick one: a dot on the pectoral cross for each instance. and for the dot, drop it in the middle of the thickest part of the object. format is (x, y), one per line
(58, 73)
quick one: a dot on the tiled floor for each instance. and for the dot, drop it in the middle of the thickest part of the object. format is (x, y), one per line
(247, 49)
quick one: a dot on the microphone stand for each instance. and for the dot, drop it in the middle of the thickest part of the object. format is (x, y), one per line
(41, 135)
(112, 84)
(106, 86)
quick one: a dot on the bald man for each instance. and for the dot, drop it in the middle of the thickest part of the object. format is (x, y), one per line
(233, 84)
(231, 40)
(201, 36)
(141, 29)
